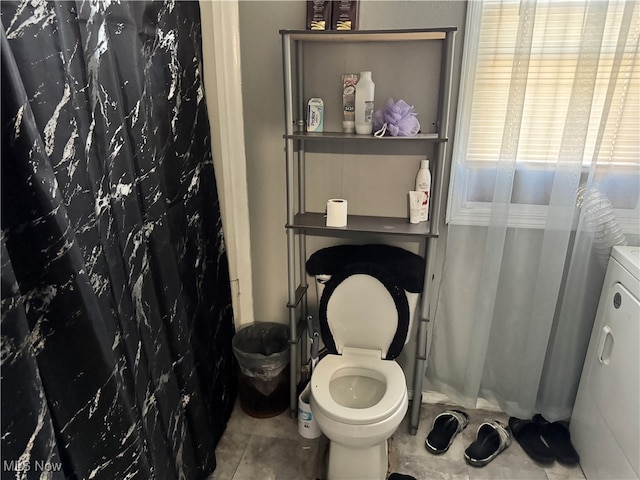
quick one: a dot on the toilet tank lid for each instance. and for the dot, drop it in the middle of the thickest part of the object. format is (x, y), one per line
(407, 267)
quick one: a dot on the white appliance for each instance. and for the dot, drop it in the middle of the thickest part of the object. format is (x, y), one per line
(605, 425)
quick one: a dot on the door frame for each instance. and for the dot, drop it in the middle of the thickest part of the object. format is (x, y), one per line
(222, 75)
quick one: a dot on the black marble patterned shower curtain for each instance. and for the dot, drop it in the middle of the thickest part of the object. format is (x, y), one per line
(116, 307)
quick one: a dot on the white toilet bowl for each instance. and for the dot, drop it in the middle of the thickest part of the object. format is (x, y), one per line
(358, 391)
(358, 400)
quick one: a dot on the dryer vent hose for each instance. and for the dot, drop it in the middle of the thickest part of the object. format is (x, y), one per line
(600, 219)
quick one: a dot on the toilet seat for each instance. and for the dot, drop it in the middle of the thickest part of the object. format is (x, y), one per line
(359, 362)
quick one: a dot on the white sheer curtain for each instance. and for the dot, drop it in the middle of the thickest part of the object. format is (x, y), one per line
(548, 115)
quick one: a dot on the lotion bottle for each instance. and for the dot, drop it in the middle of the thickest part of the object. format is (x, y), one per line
(365, 90)
(423, 184)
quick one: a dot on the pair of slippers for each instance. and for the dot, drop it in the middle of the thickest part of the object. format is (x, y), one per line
(491, 438)
(545, 441)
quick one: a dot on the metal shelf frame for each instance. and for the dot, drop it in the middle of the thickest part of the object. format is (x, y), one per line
(301, 223)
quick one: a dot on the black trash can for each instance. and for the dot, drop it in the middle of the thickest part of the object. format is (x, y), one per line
(262, 350)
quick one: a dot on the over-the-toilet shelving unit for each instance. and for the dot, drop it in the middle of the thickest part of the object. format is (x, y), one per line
(301, 223)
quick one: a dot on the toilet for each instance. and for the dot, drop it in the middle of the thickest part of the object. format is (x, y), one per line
(358, 391)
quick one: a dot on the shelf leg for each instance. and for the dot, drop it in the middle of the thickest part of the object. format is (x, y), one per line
(418, 373)
(293, 327)
(421, 347)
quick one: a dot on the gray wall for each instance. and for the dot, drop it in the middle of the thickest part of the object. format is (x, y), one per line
(260, 22)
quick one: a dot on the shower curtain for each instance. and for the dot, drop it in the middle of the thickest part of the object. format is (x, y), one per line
(116, 306)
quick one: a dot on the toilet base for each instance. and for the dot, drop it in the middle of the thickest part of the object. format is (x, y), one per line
(348, 463)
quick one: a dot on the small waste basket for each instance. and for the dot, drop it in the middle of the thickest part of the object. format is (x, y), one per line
(262, 350)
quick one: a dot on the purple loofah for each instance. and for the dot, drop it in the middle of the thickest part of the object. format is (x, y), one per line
(397, 119)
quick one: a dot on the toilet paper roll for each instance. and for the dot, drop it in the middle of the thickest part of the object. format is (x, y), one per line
(336, 212)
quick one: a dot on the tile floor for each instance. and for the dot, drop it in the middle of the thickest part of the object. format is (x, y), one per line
(271, 449)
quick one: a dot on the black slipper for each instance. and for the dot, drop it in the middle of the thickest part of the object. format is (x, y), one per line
(401, 476)
(557, 436)
(492, 438)
(527, 434)
(445, 427)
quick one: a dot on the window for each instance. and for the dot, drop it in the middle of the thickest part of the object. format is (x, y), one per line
(557, 42)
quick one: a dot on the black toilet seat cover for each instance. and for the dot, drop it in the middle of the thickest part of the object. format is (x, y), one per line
(390, 283)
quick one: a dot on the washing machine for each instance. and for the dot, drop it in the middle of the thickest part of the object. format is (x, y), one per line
(605, 424)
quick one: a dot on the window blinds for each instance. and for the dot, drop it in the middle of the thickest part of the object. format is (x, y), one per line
(613, 137)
